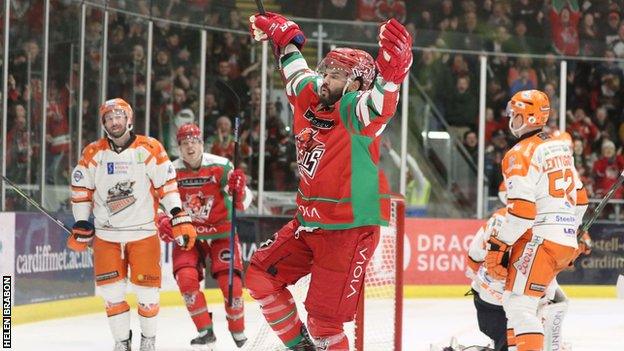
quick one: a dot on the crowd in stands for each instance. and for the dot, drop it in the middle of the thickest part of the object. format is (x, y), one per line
(175, 85)
(509, 29)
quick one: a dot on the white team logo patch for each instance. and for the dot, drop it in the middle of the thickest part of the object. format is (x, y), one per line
(78, 176)
(120, 197)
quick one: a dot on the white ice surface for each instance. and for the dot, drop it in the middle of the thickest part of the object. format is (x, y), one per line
(591, 324)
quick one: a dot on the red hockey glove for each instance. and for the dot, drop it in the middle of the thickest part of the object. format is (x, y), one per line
(236, 183)
(81, 235)
(163, 223)
(278, 28)
(497, 258)
(182, 229)
(395, 51)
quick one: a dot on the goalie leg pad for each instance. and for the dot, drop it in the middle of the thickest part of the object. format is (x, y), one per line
(149, 304)
(522, 316)
(188, 282)
(234, 314)
(492, 321)
(117, 309)
(553, 314)
(328, 335)
(277, 305)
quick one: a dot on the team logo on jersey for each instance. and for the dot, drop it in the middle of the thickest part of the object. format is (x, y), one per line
(120, 197)
(78, 176)
(310, 150)
(198, 205)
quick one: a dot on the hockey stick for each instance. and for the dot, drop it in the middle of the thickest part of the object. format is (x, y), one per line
(237, 105)
(36, 205)
(585, 226)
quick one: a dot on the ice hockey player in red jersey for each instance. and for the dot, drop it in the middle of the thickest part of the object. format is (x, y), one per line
(206, 182)
(122, 179)
(340, 112)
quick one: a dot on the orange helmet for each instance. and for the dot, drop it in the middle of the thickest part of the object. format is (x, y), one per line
(532, 106)
(118, 106)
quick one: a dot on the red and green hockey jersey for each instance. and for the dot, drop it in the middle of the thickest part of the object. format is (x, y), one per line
(205, 197)
(340, 183)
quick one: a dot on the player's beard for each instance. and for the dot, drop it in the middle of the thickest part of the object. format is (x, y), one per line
(117, 134)
(331, 98)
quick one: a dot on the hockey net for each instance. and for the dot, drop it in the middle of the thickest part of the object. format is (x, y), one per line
(378, 322)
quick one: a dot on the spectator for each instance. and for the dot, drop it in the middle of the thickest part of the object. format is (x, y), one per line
(521, 83)
(493, 157)
(58, 144)
(434, 77)
(386, 9)
(582, 126)
(515, 72)
(617, 45)
(472, 40)
(211, 113)
(498, 16)
(527, 12)
(605, 126)
(613, 27)
(471, 144)
(222, 143)
(589, 36)
(21, 147)
(462, 107)
(564, 22)
(492, 124)
(606, 170)
(338, 9)
(549, 70)
(366, 10)
(519, 43)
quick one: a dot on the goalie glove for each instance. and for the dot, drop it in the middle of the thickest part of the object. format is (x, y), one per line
(497, 258)
(395, 51)
(277, 28)
(163, 223)
(82, 234)
(182, 229)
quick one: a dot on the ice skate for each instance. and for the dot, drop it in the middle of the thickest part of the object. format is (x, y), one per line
(239, 339)
(124, 345)
(205, 341)
(148, 344)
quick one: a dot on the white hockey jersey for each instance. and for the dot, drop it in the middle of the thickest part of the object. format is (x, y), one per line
(124, 189)
(544, 192)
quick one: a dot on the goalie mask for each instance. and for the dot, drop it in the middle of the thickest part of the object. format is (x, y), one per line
(116, 108)
(355, 63)
(531, 107)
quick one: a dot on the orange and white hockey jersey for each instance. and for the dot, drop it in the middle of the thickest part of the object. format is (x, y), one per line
(544, 192)
(124, 189)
